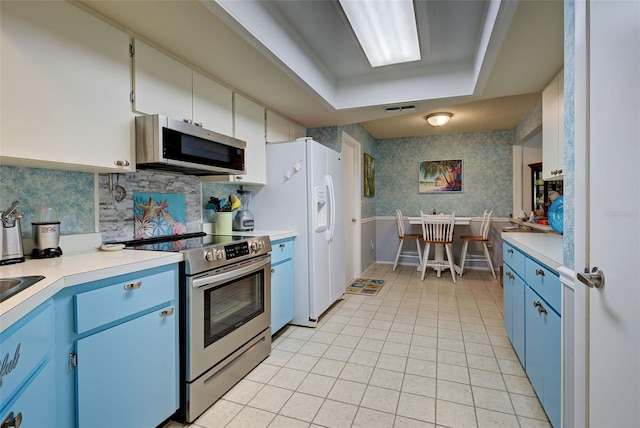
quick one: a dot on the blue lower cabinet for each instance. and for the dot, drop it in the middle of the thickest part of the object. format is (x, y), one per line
(282, 304)
(35, 403)
(532, 320)
(514, 310)
(543, 353)
(282, 290)
(127, 374)
(27, 377)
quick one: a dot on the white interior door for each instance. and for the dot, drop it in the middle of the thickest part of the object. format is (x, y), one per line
(351, 165)
(612, 232)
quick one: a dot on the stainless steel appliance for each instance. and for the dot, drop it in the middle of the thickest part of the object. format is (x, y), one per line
(176, 146)
(243, 221)
(11, 236)
(46, 233)
(225, 312)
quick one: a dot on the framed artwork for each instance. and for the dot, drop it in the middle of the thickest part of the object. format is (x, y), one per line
(159, 214)
(440, 176)
(369, 176)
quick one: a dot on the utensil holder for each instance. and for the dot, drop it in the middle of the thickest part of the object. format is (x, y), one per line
(223, 223)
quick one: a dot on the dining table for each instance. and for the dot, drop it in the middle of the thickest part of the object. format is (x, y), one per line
(439, 248)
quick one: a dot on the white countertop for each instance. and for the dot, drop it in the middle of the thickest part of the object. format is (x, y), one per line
(80, 265)
(544, 247)
(70, 270)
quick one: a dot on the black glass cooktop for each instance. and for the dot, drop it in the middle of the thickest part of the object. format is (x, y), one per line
(183, 242)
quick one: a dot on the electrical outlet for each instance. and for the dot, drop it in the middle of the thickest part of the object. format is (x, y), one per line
(372, 246)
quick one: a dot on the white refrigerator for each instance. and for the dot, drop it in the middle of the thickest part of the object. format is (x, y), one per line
(304, 193)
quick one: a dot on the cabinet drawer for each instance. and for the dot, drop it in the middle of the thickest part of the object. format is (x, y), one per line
(545, 282)
(514, 258)
(281, 250)
(112, 302)
(23, 348)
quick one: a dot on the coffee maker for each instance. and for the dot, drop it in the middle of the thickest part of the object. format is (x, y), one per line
(243, 221)
(46, 233)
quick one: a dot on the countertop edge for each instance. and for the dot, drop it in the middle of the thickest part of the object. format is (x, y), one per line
(57, 278)
(547, 248)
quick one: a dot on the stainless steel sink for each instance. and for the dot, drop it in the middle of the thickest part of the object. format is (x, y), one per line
(11, 286)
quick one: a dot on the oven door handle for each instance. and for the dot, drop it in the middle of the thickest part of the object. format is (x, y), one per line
(213, 279)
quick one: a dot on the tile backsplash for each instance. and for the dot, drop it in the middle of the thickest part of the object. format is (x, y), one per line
(77, 194)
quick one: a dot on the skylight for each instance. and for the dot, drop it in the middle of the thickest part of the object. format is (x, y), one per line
(386, 29)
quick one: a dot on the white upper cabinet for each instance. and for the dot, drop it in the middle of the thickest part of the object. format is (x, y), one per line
(282, 129)
(65, 89)
(163, 85)
(212, 105)
(553, 129)
(248, 126)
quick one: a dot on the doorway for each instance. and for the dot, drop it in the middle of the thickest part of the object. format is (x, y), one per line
(351, 154)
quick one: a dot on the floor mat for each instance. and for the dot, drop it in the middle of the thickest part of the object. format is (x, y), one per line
(365, 286)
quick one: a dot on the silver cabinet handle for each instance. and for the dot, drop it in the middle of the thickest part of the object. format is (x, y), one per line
(273, 271)
(282, 245)
(539, 272)
(510, 275)
(121, 162)
(187, 121)
(133, 285)
(541, 309)
(12, 421)
(510, 251)
(237, 177)
(595, 279)
(199, 124)
(166, 312)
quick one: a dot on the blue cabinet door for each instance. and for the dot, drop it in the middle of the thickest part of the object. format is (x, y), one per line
(518, 341)
(535, 341)
(543, 353)
(507, 301)
(36, 402)
(553, 364)
(282, 303)
(514, 310)
(127, 375)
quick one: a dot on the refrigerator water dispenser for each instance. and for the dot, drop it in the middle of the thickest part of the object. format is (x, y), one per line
(321, 212)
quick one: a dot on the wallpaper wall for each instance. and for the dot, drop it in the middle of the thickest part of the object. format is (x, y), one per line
(70, 192)
(569, 133)
(487, 173)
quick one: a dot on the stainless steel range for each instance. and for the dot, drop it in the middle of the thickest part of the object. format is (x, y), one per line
(225, 312)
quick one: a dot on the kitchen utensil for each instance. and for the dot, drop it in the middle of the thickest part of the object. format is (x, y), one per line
(11, 236)
(119, 192)
(46, 233)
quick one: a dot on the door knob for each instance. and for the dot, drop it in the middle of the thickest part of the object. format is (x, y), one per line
(353, 220)
(595, 279)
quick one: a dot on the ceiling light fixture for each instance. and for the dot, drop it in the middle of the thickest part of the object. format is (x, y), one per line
(438, 119)
(386, 30)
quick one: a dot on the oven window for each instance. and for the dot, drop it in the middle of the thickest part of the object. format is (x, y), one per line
(230, 305)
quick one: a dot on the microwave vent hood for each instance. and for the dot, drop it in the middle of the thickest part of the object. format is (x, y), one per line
(175, 146)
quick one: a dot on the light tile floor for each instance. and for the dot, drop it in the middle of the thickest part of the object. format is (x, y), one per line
(418, 354)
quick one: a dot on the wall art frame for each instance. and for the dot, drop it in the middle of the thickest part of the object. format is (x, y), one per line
(440, 176)
(369, 176)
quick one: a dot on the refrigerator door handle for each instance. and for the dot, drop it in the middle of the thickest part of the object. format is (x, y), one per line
(332, 206)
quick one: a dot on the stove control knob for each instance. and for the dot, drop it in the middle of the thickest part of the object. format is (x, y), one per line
(214, 255)
(256, 246)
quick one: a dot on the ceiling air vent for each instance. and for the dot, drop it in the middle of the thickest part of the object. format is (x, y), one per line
(400, 109)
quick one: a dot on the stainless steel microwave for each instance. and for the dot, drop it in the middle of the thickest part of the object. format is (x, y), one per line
(176, 146)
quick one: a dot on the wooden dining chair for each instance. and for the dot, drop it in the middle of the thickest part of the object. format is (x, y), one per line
(438, 230)
(406, 237)
(483, 239)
